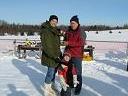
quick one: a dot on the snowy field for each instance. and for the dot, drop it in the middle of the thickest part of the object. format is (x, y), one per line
(105, 76)
(116, 35)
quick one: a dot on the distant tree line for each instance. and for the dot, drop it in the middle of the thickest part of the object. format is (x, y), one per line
(96, 27)
(15, 29)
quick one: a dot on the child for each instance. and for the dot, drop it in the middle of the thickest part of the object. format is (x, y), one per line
(62, 71)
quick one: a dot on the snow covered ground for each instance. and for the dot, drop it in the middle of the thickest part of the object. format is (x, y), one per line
(105, 76)
(106, 36)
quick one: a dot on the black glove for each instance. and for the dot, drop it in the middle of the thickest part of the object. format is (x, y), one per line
(58, 60)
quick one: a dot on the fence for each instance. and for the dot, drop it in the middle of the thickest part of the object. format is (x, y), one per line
(111, 49)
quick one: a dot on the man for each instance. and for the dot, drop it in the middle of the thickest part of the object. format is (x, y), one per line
(50, 52)
(75, 46)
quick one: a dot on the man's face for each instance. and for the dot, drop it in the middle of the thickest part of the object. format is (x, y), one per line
(74, 25)
(53, 22)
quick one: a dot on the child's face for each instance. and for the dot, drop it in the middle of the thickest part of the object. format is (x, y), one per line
(66, 58)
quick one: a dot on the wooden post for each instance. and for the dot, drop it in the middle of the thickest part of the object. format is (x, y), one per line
(14, 43)
(127, 56)
(127, 65)
(40, 51)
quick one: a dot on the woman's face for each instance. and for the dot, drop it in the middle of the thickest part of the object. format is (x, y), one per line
(53, 22)
(74, 25)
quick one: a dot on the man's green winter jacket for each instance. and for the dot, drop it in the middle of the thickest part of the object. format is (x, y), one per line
(50, 45)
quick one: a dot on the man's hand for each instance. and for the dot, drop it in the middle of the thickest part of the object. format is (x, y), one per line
(65, 43)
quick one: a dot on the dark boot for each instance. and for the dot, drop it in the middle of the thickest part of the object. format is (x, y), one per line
(77, 90)
(66, 93)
